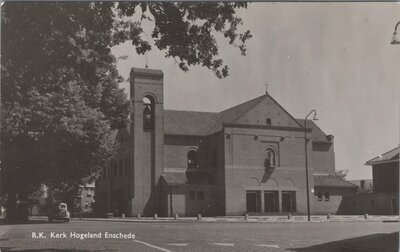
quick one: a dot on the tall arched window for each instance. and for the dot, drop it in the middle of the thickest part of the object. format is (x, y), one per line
(148, 113)
(270, 157)
(192, 159)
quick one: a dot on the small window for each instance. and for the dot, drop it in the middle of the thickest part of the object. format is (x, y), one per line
(192, 159)
(200, 195)
(326, 196)
(319, 196)
(192, 195)
(268, 121)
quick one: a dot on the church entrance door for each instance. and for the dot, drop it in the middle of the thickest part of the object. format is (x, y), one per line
(271, 201)
(253, 200)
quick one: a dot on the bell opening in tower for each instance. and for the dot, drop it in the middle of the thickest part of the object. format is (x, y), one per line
(148, 113)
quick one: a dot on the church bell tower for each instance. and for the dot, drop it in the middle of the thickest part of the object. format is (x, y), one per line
(147, 140)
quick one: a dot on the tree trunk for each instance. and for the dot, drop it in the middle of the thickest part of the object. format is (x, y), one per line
(23, 207)
(11, 206)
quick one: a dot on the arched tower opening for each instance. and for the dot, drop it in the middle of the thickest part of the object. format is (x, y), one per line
(148, 113)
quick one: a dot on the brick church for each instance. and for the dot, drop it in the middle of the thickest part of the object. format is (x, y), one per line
(246, 159)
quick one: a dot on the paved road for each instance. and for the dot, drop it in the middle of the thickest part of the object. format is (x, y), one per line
(190, 236)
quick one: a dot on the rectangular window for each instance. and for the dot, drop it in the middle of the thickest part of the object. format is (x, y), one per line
(288, 201)
(200, 195)
(326, 196)
(192, 195)
(319, 196)
(268, 121)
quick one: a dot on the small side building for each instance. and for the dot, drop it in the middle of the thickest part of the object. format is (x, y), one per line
(384, 197)
(329, 192)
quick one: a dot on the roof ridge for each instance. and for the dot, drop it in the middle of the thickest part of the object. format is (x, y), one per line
(240, 104)
(382, 154)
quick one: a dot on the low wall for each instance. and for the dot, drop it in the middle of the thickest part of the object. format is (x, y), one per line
(370, 203)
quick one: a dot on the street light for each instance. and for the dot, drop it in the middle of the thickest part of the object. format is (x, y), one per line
(396, 37)
(305, 147)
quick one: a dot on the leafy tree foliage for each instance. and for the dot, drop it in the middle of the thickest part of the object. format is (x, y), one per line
(341, 173)
(60, 95)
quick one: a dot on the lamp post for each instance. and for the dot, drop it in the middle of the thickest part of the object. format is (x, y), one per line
(306, 156)
(396, 37)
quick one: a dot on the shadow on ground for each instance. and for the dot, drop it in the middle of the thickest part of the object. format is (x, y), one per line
(10, 249)
(369, 243)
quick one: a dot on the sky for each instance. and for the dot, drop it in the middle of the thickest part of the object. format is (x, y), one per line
(335, 58)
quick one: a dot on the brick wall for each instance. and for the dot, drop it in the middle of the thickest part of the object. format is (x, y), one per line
(147, 147)
(189, 200)
(332, 203)
(244, 164)
(323, 157)
(371, 203)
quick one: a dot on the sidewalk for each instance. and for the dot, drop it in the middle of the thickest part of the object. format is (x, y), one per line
(250, 219)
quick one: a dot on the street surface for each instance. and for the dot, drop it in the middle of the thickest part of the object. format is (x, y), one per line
(203, 236)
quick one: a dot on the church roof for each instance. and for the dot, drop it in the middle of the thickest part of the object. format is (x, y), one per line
(188, 122)
(194, 123)
(204, 123)
(230, 115)
(331, 181)
(390, 156)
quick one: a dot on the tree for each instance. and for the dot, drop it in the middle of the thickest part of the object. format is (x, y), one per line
(60, 94)
(341, 173)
